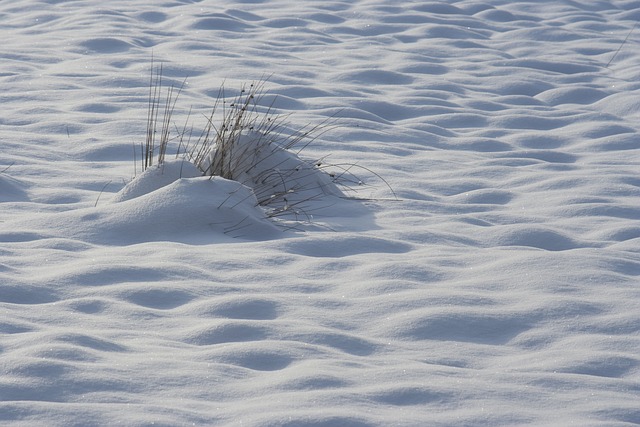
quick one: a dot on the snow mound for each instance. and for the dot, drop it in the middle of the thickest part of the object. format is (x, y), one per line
(155, 178)
(283, 183)
(190, 209)
(173, 201)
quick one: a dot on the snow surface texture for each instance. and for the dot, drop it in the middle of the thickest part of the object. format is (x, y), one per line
(501, 289)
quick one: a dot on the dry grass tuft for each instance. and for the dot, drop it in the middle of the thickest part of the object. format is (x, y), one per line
(245, 141)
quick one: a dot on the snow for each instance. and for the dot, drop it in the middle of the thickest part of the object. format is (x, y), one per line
(495, 282)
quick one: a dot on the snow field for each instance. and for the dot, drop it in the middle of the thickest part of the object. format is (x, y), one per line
(500, 288)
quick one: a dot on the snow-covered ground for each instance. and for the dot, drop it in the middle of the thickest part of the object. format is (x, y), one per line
(499, 286)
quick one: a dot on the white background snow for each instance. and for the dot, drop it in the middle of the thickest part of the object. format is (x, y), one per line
(501, 288)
